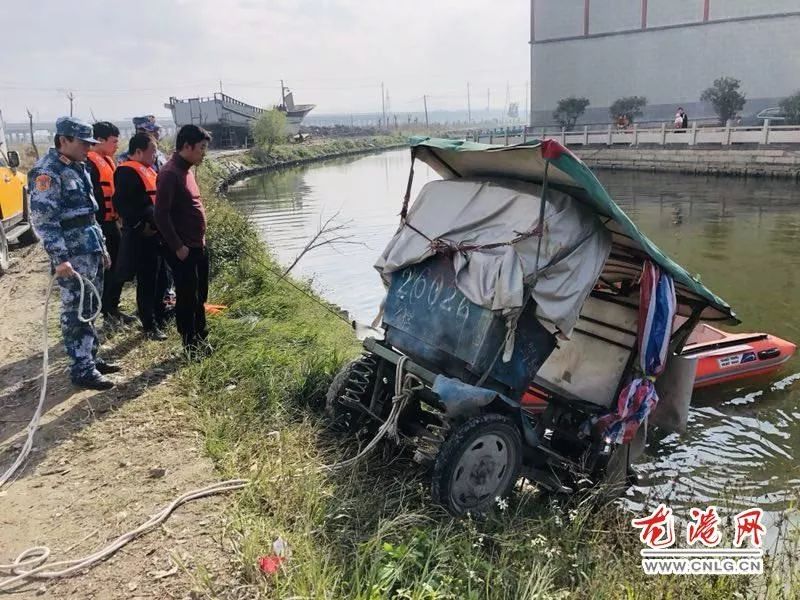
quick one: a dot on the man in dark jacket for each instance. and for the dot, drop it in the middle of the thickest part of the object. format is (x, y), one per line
(134, 198)
(181, 220)
(101, 167)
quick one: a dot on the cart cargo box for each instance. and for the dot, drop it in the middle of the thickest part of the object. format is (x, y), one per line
(427, 317)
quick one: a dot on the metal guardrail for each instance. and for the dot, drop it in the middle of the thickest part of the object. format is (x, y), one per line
(636, 135)
(46, 135)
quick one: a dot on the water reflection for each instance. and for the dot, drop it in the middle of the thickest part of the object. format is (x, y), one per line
(742, 237)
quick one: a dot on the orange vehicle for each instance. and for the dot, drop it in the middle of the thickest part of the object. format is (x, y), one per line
(15, 228)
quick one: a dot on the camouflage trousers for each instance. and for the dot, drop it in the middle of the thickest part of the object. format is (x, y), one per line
(80, 339)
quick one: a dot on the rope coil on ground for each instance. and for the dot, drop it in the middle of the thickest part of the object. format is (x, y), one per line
(30, 564)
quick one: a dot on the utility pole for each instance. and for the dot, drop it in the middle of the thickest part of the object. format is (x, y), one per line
(425, 102)
(383, 104)
(469, 106)
(508, 102)
(527, 108)
(3, 142)
(71, 98)
(30, 125)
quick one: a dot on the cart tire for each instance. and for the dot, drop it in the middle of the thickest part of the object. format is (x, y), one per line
(355, 380)
(479, 462)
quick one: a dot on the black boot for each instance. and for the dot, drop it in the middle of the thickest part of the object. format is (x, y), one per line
(155, 334)
(106, 368)
(125, 318)
(93, 381)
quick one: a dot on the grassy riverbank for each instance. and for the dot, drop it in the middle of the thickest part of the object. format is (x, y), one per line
(230, 165)
(371, 531)
(327, 147)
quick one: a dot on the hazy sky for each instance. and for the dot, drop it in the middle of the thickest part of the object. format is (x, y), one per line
(126, 58)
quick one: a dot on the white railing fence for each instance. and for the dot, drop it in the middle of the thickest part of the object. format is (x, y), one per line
(636, 135)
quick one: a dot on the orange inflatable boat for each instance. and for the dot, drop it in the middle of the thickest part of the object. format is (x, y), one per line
(724, 357)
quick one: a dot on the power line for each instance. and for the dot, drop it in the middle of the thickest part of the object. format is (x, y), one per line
(5, 85)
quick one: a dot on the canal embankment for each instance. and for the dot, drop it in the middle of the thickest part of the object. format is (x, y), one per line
(773, 161)
(232, 166)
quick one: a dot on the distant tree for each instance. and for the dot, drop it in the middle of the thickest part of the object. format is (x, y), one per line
(725, 97)
(629, 106)
(791, 108)
(269, 129)
(569, 110)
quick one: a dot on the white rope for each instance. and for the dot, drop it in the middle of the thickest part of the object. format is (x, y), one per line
(30, 564)
(404, 388)
(37, 415)
(83, 282)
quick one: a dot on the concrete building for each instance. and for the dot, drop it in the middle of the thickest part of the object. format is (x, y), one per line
(666, 50)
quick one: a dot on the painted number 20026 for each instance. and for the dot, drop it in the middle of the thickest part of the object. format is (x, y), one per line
(418, 288)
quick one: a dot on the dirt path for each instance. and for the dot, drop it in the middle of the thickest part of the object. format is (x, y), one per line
(103, 462)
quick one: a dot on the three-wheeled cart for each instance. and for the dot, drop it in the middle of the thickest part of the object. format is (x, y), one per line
(517, 277)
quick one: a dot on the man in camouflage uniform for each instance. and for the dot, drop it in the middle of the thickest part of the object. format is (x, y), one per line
(62, 209)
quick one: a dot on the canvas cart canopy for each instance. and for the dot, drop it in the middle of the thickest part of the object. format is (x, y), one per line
(487, 213)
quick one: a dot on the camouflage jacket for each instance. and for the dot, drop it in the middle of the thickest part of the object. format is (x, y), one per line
(62, 208)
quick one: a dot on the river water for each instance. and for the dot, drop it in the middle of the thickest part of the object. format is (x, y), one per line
(742, 236)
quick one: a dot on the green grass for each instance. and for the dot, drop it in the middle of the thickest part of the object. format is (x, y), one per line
(371, 531)
(321, 148)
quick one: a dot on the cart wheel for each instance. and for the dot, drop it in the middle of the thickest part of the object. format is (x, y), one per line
(353, 383)
(478, 463)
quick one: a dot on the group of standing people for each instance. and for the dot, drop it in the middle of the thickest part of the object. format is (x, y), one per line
(106, 221)
(681, 119)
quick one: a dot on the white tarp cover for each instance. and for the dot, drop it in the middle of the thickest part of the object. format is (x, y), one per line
(574, 247)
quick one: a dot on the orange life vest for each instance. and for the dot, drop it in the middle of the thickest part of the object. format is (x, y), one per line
(105, 166)
(146, 174)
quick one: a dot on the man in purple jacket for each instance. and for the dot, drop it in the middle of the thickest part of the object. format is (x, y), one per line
(181, 220)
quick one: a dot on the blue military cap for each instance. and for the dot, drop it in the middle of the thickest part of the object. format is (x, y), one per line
(148, 123)
(72, 127)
